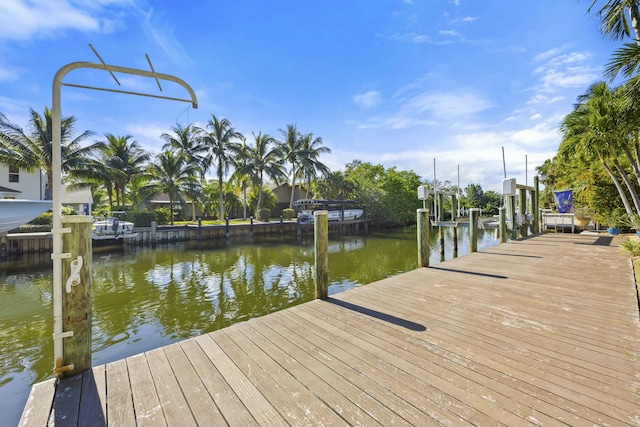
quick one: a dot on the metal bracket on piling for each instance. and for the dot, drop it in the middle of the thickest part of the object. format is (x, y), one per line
(66, 334)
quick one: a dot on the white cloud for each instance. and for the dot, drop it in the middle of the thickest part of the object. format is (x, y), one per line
(565, 70)
(429, 108)
(451, 33)
(161, 32)
(535, 116)
(22, 20)
(148, 135)
(368, 99)
(8, 73)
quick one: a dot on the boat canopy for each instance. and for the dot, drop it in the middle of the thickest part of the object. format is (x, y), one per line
(321, 203)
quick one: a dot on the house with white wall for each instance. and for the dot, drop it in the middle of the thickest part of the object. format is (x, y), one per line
(19, 184)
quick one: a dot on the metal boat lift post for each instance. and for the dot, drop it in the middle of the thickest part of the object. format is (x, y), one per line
(58, 254)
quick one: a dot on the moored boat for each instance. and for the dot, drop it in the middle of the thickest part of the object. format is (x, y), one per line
(113, 228)
(338, 209)
(17, 212)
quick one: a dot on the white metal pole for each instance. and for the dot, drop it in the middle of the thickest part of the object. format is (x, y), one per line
(458, 191)
(56, 166)
(435, 193)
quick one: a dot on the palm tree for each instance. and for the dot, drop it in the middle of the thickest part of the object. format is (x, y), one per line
(173, 175)
(616, 24)
(239, 162)
(219, 140)
(291, 150)
(263, 160)
(126, 159)
(33, 151)
(597, 130)
(187, 140)
(310, 166)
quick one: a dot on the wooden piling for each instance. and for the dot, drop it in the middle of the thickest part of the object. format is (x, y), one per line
(511, 205)
(502, 224)
(423, 227)
(440, 213)
(321, 242)
(522, 211)
(441, 238)
(535, 206)
(474, 213)
(455, 241)
(76, 293)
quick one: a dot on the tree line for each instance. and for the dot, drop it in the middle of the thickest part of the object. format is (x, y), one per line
(599, 154)
(119, 170)
(121, 173)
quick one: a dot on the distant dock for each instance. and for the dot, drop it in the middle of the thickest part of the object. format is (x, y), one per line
(541, 331)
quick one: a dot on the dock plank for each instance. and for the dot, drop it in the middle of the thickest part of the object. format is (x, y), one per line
(232, 409)
(120, 409)
(145, 397)
(201, 403)
(93, 406)
(260, 408)
(38, 407)
(173, 403)
(542, 332)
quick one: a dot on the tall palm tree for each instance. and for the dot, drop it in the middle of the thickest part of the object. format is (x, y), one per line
(596, 130)
(187, 139)
(125, 156)
(310, 166)
(220, 140)
(291, 150)
(244, 180)
(173, 175)
(616, 24)
(263, 160)
(33, 151)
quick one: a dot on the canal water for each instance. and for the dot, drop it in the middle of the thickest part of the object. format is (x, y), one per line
(144, 297)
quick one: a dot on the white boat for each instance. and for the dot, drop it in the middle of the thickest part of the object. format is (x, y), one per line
(17, 212)
(337, 209)
(112, 228)
(349, 215)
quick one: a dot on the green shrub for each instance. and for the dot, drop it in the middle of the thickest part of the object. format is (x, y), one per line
(288, 213)
(631, 247)
(264, 214)
(30, 228)
(163, 215)
(142, 218)
(44, 219)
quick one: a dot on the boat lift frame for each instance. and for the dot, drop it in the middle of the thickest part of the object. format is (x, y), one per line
(58, 255)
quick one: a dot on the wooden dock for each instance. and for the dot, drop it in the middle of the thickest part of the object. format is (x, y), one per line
(543, 331)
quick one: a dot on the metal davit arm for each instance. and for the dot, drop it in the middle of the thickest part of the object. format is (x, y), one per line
(58, 254)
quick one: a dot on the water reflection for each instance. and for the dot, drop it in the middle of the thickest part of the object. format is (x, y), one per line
(147, 297)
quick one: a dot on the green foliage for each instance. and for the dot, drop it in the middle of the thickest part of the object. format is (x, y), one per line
(264, 214)
(474, 197)
(269, 199)
(631, 247)
(288, 213)
(614, 219)
(336, 186)
(45, 218)
(632, 221)
(31, 228)
(492, 202)
(142, 218)
(163, 215)
(388, 194)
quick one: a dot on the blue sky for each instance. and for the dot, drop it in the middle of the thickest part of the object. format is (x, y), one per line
(391, 82)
